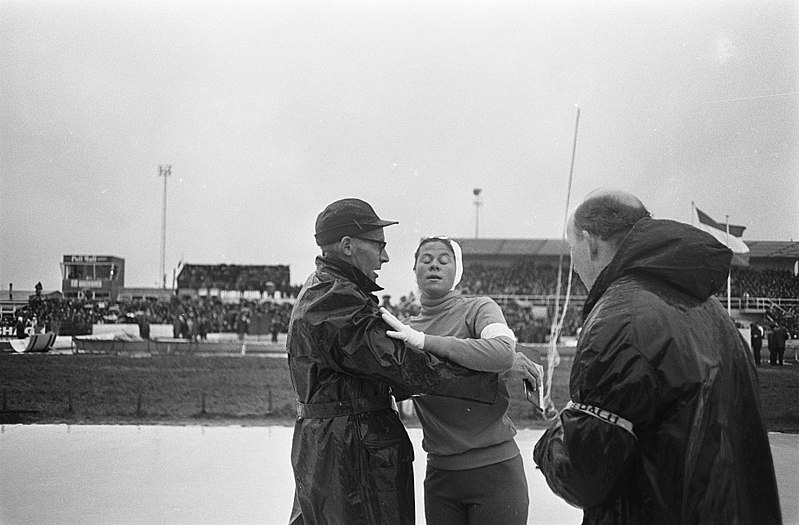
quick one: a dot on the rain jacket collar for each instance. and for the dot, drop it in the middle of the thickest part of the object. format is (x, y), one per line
(342, 268)
(675, 252)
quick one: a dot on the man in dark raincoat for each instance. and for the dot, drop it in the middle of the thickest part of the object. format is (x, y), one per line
(664, 423)
(351, 455)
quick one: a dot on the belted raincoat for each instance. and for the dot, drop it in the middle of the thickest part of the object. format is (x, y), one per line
(351, 455)
(665, 422)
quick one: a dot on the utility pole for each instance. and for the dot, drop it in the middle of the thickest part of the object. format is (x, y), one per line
(477, 204)
(163, 171)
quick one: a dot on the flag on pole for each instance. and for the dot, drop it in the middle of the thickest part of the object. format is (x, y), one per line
(727, 234)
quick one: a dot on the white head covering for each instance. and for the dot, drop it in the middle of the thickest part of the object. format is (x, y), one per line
(456, 249)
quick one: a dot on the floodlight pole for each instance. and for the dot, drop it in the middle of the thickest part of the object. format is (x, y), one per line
(477, 204)
(163, 171)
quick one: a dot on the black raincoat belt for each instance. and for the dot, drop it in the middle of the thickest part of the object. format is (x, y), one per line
(345, 407)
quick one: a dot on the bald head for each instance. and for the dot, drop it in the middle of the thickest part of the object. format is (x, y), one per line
(597, 227)
(609, 214)
(620, 196)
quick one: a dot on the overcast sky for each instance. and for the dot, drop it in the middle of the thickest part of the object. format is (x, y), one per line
(269, 111)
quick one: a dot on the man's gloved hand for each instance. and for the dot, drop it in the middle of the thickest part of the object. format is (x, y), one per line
(401, 331)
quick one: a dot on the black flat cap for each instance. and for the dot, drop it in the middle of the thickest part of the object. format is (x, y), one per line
(347, 217)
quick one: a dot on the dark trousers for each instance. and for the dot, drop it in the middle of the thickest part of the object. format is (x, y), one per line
(756, 346)
(486, 495)
(775, 355)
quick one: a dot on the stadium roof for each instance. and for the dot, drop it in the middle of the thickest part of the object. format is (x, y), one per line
(554, 247)
(517, 247)
(782, 249)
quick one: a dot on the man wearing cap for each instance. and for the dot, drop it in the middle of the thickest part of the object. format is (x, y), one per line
(351, 455)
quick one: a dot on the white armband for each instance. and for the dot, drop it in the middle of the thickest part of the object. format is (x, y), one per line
(495, 330)
(604, 415)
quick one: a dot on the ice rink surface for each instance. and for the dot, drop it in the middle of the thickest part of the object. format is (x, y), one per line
(81, 474)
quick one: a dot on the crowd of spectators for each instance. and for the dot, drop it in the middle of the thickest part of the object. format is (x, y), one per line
(532, 328)
(407, 306)
(530, 278)
(266, 279)
(527, 278)
(746, 282)
(525, 292)
(192, 318)
(540, 280)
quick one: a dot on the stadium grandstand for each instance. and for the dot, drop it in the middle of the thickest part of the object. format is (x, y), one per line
(519, 274)
(231, 281)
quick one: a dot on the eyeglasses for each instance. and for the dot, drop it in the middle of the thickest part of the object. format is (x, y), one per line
(380, 244)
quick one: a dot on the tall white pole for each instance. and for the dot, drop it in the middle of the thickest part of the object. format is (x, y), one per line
(729, 272)
(477, 212)
(163, 171)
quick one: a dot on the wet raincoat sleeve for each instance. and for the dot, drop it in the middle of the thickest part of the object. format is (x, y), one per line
(360, 347)
(588, 454)
(585, 458)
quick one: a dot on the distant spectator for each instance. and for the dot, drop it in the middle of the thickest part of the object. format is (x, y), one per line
(778, 337)
(756, 339)
(177, 327)
(203, 327)
(273, 330)
(144, 326)
(243, 324)
(194, 328)
(21, 328)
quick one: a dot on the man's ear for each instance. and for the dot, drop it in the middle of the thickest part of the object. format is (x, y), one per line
(345, 245)
(593, 244)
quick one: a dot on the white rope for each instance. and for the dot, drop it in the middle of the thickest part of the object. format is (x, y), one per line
(548, 409)
(553, 356)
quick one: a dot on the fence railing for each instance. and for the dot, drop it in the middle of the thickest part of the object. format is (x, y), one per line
(532, 300)
(736, 303)
(760, 303)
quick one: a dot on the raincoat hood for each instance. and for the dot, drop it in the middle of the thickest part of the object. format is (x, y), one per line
(683, 256)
